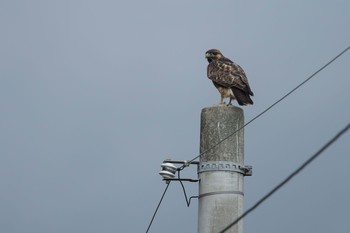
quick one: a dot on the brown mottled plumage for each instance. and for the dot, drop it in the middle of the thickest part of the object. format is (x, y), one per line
(228, 77)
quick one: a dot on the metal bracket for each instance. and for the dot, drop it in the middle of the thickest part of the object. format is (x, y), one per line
(185, 162)
(225, 166)
(247, 169)
(169, 169)
(184, 179)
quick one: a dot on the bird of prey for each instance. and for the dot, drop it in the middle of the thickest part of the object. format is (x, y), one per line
(228, 77)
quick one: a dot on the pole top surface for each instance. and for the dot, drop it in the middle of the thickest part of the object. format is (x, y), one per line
(222, 107)
(222, 123)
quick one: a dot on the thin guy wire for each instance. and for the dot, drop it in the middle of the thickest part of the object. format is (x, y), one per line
(278, 101)
(188, 201)
(155, 212)
(285, 181)
(263, 112)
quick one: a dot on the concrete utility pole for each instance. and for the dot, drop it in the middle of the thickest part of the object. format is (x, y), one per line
(221, 170)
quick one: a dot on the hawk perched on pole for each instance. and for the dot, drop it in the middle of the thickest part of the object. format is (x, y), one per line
(228, 77)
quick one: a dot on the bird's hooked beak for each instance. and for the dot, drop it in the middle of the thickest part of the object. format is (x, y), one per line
(207, 55)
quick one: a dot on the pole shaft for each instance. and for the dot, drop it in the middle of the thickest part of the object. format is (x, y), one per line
(221, 185)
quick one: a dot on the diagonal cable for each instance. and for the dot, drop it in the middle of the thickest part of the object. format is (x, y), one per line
(160, 202)
(286, 180)
(275, 103)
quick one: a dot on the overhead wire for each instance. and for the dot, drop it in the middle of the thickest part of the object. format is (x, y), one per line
(286, 180)
(239, 129)
(188, 201)
(272, 105)
(160, 202)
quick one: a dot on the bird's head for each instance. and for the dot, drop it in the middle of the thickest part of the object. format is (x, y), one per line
(213, 54)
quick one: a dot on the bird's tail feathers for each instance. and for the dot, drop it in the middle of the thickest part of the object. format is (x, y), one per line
(242, 97)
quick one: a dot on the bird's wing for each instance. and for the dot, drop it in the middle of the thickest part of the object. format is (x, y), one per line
(228, 74)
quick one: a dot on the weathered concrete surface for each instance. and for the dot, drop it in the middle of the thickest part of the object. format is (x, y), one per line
(217, 123)
(221, 192)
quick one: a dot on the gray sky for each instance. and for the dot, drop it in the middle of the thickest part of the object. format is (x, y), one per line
(94, 95)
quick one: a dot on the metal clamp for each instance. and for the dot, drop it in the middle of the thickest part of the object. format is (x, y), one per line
(225, 166)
